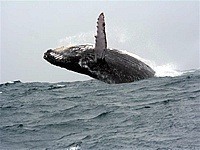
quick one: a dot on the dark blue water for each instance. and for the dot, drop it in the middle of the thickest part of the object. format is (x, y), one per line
(158, 113)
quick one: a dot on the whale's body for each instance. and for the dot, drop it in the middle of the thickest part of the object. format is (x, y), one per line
(100, 62)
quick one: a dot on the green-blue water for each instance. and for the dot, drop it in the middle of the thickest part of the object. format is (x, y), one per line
(158, 113)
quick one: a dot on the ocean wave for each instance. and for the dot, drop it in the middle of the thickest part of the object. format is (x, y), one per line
(11, 82)
(94, 115)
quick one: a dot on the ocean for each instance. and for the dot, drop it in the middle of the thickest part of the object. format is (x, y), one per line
(161, 113)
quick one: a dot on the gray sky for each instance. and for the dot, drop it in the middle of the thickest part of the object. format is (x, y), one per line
(162, 32)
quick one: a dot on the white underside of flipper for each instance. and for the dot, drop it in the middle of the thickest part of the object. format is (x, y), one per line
(100, 42)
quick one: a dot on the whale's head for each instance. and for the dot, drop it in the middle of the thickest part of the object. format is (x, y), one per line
(70, 57)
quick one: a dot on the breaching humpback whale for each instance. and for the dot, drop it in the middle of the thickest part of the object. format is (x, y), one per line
(100, 62)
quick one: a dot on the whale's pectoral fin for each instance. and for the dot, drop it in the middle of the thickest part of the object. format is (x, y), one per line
(100, 43)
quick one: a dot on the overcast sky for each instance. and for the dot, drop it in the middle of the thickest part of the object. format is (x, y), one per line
(162, 32)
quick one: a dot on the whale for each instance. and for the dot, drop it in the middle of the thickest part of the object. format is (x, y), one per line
(99, 62)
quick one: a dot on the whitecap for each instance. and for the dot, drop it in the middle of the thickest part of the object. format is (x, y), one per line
(74, 148)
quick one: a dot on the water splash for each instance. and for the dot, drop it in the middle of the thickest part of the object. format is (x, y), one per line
(116, 35)
(78, 39)
(167, 70)
(161, 70)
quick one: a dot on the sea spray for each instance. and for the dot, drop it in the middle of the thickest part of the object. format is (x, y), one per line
(78, 39)
(168, 69)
